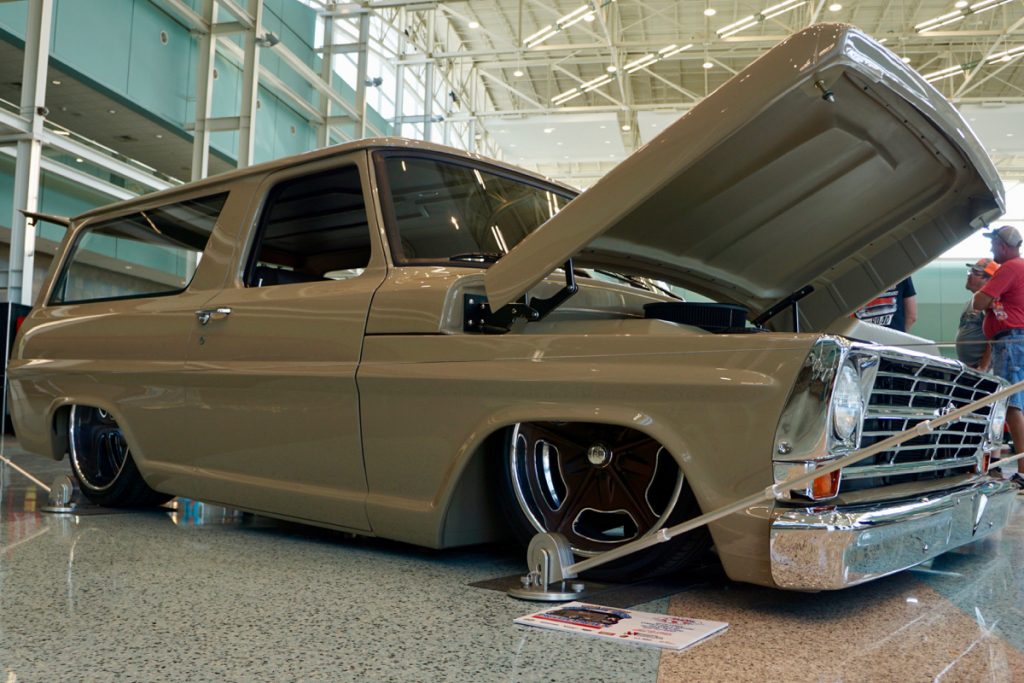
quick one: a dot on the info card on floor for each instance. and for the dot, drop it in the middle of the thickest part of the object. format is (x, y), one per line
(624, 625)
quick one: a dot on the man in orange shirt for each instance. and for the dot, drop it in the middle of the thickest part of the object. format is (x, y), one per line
(1002, 299)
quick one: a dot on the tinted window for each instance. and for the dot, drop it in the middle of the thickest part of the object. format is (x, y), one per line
(313, 228)
(443, 210)
(148, 253)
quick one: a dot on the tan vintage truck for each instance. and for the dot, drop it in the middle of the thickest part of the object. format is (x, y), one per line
(404, 340)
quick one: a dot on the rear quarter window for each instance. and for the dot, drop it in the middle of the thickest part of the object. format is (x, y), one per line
(152, 252)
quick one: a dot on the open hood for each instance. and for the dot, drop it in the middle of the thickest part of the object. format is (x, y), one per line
(826, 162)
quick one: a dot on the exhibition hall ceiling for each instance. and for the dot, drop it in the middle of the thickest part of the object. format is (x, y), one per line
(570, 88)
(638, 64)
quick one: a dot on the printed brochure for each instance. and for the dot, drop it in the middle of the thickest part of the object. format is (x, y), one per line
(624, 625)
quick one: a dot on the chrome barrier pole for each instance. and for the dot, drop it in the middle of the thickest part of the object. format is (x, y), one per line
(547, 551)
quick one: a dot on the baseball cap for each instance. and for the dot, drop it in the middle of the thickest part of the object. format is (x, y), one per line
(1007, 234)
(984, 265)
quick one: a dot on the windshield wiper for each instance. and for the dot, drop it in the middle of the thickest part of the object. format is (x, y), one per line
(477, 257)
(639, 282)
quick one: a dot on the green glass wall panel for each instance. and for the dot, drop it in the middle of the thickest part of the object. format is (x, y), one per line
(13, 16)
(299, 17)
(6, 189)
(227, 94)
(95, 38)
(158, 74)
(263, 146)
(116, 45)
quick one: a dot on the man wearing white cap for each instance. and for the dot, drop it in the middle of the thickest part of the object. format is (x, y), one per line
(972, 346)
(1002, 299)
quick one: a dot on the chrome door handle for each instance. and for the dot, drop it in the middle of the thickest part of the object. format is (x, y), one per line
(205, 315)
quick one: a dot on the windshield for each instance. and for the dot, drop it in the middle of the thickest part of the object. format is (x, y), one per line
(443, 210)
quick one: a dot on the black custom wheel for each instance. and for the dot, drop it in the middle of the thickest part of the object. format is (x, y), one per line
(600, 486)
(102, 462)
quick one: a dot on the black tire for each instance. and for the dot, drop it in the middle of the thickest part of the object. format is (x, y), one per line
(102, 463)
(600, 486)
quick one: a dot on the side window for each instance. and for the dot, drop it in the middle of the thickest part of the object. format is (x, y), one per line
(150, 253)
(313, 228)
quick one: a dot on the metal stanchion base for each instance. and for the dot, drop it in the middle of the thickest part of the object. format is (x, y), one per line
(548, 580)
(559, 592)
(64, 496)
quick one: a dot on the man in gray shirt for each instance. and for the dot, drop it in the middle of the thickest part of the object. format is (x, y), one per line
(971, 344)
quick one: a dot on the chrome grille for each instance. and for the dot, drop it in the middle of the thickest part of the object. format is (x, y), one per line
(909, 390)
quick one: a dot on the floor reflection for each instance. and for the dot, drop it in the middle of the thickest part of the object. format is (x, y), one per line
(202, 592)
(194, 513)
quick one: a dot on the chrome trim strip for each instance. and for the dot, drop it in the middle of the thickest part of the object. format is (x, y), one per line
(934, 447)
(909, 467)
(815, 549)
(900, 413)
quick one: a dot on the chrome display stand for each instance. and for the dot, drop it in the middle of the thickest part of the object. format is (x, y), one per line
(65, 497)
(548, 558)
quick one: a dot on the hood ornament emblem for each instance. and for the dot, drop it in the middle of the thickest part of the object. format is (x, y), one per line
(942, 412)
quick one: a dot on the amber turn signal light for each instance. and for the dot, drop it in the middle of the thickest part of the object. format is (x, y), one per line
(825, 486)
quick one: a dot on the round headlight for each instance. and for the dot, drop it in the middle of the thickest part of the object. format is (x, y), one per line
(997, 421)
(847, 405)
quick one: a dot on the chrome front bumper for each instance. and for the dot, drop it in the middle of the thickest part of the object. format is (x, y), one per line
(823, 549)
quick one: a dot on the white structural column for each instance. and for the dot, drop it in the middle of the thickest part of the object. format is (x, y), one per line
(323, 131)
(403, 25)
(30, 149)
(250, 86)
(428, 80)
(362, 65)
(204, 95)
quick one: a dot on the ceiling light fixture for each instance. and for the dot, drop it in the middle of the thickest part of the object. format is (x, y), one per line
(835, 7)
(943, 74)
(961, 13)
(549, 130)
(540, 36)
(998, 57)
(651, 58)
(759, 18)
(708, 65)
(665, 52)
(640, 63)
(596, 83)
(1006, 55)
(581, 13)
(626, 127)
(559, 100)
(710, 12)
(518, 73)
(611, 68)
(474, 24)
(960, 4)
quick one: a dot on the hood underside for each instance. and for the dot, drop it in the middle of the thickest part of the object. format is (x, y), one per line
(826, 162)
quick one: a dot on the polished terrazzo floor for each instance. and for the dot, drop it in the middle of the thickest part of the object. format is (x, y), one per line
(201, 593)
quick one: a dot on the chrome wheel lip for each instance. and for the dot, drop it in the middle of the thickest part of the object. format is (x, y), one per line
(76, 466)
(537, 524)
